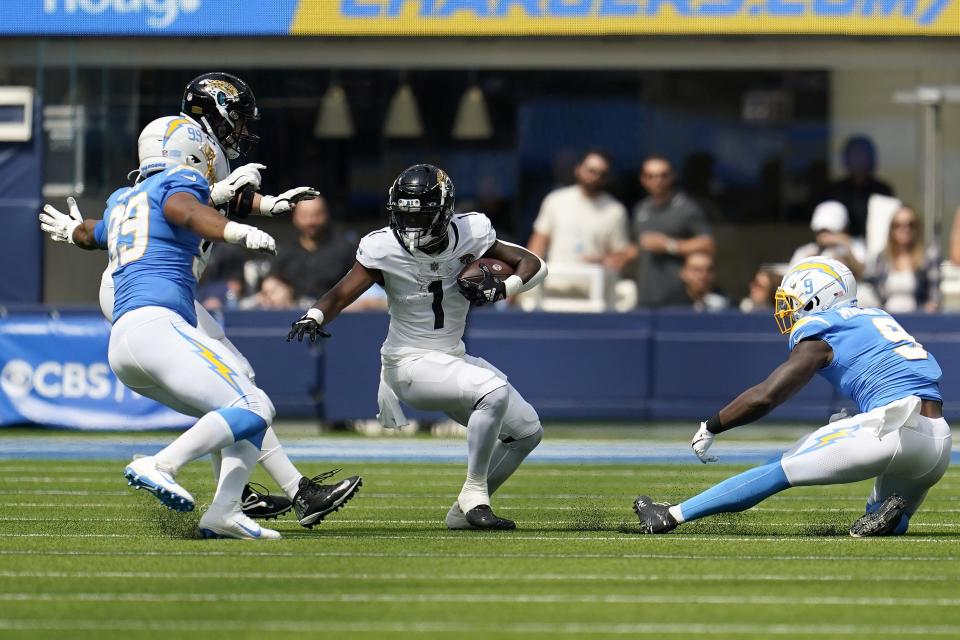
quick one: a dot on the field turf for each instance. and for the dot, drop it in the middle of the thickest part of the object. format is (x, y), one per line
(83, 556)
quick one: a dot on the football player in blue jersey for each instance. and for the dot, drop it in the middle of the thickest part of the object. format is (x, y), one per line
(152, 231)
(222, 105)
(899, 437)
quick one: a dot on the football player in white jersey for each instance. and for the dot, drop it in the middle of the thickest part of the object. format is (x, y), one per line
(417, 259)
(221, 105)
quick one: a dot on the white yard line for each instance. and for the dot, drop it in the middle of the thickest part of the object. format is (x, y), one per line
(498, 555)
(422, 627)
(471, 577)
(486, 598)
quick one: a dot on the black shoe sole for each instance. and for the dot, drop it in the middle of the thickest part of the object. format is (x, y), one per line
(273, 515)
(316, 518)
(881, 522)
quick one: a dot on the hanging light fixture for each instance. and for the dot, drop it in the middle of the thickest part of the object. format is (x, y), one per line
(333, 119)
(473, 119)
(403, 116)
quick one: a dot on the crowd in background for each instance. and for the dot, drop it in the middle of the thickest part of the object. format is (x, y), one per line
(660, 254)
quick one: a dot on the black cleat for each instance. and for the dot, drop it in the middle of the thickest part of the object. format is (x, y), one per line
(314, 500)
(881, 522)
(256, 502)
(654, 516)
(483, 517)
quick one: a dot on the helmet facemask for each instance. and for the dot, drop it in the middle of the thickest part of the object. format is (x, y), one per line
(787, 309)
(418, 229)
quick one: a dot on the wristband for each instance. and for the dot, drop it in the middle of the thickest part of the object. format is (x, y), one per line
(234, 232)
(315, 314)
(242, 205)
(713, 425)
(673, 247)
(512, 285)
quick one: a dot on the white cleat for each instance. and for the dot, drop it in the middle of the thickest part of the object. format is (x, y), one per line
(143, 473)
(231, 523)
(455, 518)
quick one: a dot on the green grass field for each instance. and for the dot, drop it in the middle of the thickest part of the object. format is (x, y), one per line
(83, 556)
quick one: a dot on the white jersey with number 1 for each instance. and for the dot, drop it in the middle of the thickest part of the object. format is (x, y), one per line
(427, 310)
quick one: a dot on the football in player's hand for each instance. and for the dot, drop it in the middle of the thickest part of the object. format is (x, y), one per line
(474, 274)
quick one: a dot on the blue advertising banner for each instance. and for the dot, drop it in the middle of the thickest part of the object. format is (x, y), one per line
(54, 372)
(146, 17)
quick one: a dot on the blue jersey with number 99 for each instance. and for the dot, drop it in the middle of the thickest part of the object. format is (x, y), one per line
(875, 361)
(152, 259)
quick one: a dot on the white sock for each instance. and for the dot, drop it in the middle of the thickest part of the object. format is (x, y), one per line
(215, 462)
(482, 431)
(210, 433)
(239, 459)
(507, 456)
(677, 514)
(276, 463)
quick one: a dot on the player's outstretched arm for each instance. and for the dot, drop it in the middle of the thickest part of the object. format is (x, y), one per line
(184, 210)
(808, 357)
(330, 304)
(69, 227)
(528, 269)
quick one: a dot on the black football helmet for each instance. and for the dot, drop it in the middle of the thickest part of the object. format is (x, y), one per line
(225, 106)
(420, 205)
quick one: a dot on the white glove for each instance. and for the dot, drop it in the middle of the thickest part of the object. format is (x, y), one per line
(60, 226)
(224, 191)
(250, 237)
(701, 444)
(839, 415)
(284, 203)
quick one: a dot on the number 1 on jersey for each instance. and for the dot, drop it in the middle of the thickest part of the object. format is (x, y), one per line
(436, 288)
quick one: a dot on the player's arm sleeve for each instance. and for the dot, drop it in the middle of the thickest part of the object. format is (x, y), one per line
(809, 327)
(483, 233)
(185, 180)
(100, 233)
(369, 253)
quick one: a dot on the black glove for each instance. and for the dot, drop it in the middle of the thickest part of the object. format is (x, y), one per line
(309, 327)
(480, 293)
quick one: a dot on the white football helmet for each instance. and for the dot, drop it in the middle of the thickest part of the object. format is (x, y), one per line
(813, 285)
(175, 140)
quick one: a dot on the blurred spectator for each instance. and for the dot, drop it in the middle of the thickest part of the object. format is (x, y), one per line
(829, 224)
(854, 191)
(669, 226)
(275, 293)
(582, 223)
(698, 280)
(320, 256)
(955, 238)
(906, 277)
(760, 293)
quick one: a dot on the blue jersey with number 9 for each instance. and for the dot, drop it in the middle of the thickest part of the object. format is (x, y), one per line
(152, 259)
(875, 361)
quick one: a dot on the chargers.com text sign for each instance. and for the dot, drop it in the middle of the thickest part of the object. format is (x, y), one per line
(478, 17)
